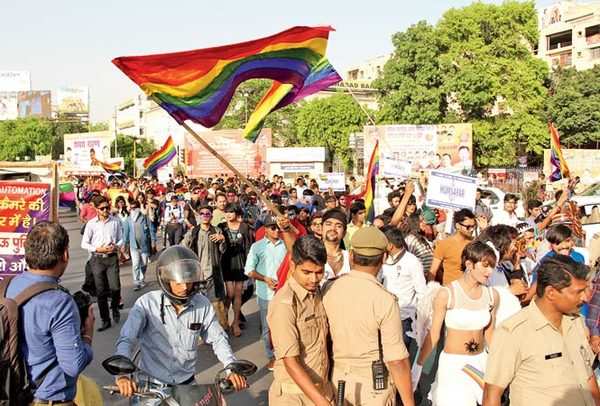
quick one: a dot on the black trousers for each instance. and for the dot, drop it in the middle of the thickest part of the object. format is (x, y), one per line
(108, 283)
(174, 233)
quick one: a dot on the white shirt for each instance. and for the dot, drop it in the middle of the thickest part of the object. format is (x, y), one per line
(330, 275)
(502, 217)
(406, 280)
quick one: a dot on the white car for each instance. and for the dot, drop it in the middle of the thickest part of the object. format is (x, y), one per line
(494, 199)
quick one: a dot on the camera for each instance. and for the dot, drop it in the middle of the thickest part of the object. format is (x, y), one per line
(83, 302)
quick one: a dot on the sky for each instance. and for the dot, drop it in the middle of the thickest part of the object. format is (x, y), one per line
(71, 43)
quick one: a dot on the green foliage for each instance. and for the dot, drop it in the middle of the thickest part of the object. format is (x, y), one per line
(328, 123)
(575, 106)
(243, 103)
(411, 82)
(476, 59)
(29, 137)
(143, 148)
(99, 126)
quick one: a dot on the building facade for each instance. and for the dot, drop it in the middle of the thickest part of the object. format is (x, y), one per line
(570, 35)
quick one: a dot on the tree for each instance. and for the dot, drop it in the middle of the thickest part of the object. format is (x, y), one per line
(329, 122)
(476, 65)
(31, 137)
(243, 103)
(411, 82)
(99, 126)
(143, 148)
(574, 106)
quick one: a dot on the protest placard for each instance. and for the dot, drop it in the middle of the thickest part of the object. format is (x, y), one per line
(333, 180)
(394, 168)
(449, 191)
(23, 204)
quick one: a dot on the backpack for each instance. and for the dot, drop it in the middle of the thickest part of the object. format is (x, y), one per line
(15, 388)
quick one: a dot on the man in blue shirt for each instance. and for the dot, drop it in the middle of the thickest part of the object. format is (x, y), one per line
(262, 264)
(168, 325)
(53, 344)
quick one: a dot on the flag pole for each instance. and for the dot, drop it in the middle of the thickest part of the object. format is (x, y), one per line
(232, 168)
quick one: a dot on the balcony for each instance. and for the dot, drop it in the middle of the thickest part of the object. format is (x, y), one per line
(592, 35)
(559, 41)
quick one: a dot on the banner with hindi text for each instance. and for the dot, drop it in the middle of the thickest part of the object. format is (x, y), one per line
(22, 205)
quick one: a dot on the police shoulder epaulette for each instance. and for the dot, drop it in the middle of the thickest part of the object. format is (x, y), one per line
(515, 321)
(285, 295)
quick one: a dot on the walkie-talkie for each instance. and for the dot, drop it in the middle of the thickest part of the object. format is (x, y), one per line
(378, 368)
(341, 392)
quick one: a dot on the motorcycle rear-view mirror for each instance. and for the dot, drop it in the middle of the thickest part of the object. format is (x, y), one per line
(119, 365)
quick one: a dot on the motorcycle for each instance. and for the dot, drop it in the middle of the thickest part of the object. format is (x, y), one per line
(181, 395)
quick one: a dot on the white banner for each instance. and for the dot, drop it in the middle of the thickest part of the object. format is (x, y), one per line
(394, 168)
(333, 180)
(450, 191)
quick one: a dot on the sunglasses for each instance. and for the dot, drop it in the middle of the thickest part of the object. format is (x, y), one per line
(273, 227)
(205, 213)
(103, 208)
(471, 227)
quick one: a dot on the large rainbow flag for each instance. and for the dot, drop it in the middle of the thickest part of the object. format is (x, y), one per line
(558, 164)
(198, 85)
(160, 157)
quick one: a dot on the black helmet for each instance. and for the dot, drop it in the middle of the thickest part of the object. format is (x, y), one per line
(178, 264)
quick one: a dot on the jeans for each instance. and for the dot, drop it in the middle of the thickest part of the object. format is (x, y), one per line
(263, 306)
(174, 233)
(139, 261)
(108, 284)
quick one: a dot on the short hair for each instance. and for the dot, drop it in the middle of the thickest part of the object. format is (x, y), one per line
(533, 203)
(367, 260)
(558, 233)
(308, 192)
(510, 196)
(463, 214)
(293, 208)
(233, 208)
(45, 245)
(559, 272)
(392, 195)
(478, 251)
(220, 194)
(394, 236)
(205, 207)
(331, 198)
(501, 235)
(98, 200)
(356, 207)
(309, 248)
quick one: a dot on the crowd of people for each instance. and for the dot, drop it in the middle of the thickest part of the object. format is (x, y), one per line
(419, 305)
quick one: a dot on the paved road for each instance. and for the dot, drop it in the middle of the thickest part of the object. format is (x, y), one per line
(248, 346)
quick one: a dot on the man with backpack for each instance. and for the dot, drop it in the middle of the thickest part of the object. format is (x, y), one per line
(44, 347)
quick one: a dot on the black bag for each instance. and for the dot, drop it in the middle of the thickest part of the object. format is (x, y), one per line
(15, 388)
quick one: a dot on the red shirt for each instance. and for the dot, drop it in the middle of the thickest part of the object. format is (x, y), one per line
(87, 212)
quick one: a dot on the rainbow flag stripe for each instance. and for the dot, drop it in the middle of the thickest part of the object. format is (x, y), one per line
(474, 374)
(160, 157)
(371, 179)
(558, 164)
(198, 85)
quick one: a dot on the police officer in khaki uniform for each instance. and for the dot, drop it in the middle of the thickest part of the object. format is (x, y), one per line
(299, 330)
(357, 307)
(542, 352)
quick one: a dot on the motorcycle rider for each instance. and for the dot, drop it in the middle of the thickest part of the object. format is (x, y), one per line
(168, 325)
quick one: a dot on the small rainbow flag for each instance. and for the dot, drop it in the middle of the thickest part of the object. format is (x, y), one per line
(369, 191)
(110, 167)
(160, 157)
(474, 374)
(558, 165)
(198, 85)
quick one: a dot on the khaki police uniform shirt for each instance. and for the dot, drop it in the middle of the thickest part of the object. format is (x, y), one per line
(357, 305)
(542, 365)
(299, 327)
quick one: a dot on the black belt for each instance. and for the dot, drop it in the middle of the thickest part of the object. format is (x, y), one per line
(98, 255)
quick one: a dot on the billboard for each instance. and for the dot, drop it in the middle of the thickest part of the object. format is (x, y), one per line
(443, 146)
(9, 107)
(247, 157)
(584, 163)
(81, 148)
(14, 81)
(72, 100)
(37, 103)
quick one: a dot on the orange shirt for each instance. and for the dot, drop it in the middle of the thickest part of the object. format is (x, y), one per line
(449, 251)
